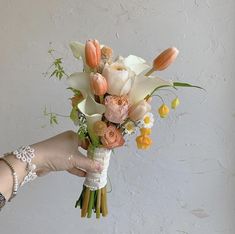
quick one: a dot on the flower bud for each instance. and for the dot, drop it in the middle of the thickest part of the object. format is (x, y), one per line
(175, 103)
(98, 84)
(165, 59)
(106, 52)
(92, 53)
(163, 111)
(145, 131)
(143, 141)
(138, 110)
(99, 128)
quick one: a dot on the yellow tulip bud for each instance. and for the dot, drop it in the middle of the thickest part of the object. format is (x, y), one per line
(163, 111)
(145, 131)
(143, 141)
(175, 103)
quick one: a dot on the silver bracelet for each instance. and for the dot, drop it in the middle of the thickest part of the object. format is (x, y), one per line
(26, 154)
(15, 179)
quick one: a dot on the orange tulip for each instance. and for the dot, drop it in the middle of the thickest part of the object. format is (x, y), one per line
(92, 53)
(163, 60)
(98, 84)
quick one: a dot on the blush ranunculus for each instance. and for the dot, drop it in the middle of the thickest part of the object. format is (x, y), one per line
(116, 108)
(112, 138)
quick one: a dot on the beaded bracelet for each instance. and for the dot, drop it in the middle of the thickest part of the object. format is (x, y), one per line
(15, 179)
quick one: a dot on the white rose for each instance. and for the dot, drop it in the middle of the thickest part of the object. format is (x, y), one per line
(119, 78)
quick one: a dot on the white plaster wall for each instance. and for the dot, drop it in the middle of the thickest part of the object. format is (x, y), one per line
(186, 183)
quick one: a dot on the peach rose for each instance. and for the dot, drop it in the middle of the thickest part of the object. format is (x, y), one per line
(116, 108)
(112, 138)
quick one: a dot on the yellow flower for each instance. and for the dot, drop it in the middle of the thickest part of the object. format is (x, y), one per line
(129, 127)
(145, 131)
(143, 141)
(163, 111)
(175, 103)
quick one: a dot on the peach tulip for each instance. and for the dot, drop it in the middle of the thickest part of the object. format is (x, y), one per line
(138, 110)
(92, 53)
(98, 84)
(163, 60)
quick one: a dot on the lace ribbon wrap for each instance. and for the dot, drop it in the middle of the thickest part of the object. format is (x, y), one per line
(96, 181)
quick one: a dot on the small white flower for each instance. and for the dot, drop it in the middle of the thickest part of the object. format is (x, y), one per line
(129, 127)
(147, 121)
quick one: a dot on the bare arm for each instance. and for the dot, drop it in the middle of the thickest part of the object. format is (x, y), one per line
(59, 153)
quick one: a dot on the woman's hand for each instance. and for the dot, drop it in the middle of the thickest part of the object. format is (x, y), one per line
(60, 153)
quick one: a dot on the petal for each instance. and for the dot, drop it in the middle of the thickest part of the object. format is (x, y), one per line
(136, 64)
(80, 81)
(144, 86)
(78, 50)
(91, 109)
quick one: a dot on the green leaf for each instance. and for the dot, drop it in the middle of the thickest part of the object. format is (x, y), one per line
(75, 91)
(52, 74)
(74, 115)
(181, 84)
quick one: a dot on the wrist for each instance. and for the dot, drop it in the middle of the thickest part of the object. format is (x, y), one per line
(40, 159)
(6, 174)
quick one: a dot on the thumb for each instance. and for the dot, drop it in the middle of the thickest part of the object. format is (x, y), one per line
(85, 163)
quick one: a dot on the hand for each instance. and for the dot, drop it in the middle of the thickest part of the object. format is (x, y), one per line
(60, 153)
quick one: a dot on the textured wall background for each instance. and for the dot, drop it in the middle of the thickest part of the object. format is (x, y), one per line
(186, 183)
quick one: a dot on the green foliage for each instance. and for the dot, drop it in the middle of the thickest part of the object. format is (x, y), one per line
(52, 117)
(56, 69)
(74, 115)
(75, 91)
(82, 126)
(180, 84)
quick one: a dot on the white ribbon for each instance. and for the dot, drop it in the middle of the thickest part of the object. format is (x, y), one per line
(98, 180)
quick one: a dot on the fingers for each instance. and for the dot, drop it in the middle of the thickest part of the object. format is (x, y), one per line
(42, 172)
(77, 172)
(84, 144)
(87, 164)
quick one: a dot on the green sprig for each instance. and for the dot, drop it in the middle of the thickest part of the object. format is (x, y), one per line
(56, 67)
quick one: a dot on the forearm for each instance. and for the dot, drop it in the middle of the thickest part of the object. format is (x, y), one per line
(6, 178)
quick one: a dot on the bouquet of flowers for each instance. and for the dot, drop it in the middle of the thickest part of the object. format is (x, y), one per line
(112, 100)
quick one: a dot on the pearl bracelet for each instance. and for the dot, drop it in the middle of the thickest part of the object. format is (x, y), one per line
(15, 179)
